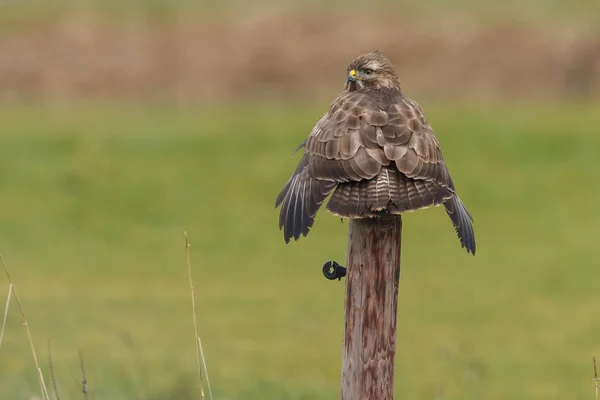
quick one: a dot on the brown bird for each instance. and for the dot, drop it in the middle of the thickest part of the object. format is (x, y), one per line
(376, 153)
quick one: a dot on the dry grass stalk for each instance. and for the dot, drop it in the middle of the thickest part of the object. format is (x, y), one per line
(84, 388)
(52, 376)
(10, 287)
(43, 389)
(199, 351)
(595, 377)
(205, 369)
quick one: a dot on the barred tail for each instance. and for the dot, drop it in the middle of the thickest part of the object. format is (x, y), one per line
(390, 191)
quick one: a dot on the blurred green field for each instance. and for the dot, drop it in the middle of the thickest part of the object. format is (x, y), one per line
(94, 201)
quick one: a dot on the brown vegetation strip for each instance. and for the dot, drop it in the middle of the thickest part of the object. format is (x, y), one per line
(292, 54)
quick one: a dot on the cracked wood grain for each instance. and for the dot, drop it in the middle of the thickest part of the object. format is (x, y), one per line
(373, 263)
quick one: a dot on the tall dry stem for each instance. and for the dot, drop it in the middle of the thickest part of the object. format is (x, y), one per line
(43, 389)
(595, 379)
(200, 360)
(10, 288)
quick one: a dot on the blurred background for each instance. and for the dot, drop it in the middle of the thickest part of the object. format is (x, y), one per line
(124, 124)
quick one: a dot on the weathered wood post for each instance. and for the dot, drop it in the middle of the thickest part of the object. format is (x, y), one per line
(373, 274)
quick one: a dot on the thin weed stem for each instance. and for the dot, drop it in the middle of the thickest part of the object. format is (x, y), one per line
(43, 389)
(84, 382)
(205, 369)
(595, 379)
(10, 288)
(199, 354)
(52, 376)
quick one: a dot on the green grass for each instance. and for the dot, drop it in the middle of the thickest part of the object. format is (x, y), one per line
(94, 201)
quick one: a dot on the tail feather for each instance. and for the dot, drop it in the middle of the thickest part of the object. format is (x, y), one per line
(390, 191)
(462, 221)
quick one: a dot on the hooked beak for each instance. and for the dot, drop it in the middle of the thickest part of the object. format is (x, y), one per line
(352, 76)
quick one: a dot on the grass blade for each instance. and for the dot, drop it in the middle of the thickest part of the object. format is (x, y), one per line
(10, 288)
(43, 389)
(196, 337)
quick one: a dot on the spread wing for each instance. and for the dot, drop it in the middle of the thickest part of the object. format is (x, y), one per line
(300, 200)
(376, 152)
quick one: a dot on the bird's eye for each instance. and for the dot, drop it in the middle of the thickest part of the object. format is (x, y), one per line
(368, 72)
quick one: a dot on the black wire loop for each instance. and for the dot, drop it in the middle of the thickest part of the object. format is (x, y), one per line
(333, 271)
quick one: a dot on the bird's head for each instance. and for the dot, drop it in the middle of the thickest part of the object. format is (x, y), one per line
(371, 70)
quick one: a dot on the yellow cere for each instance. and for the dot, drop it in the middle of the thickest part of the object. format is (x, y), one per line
(353, 73)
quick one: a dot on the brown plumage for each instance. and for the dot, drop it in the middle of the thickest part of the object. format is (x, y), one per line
(374, 153)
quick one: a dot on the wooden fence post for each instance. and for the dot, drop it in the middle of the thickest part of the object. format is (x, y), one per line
(372, 277)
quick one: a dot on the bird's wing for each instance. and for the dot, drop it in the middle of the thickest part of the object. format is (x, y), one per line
(342, 146)
(300, 200)
(365, 131)
(409, 141)
(334, 152)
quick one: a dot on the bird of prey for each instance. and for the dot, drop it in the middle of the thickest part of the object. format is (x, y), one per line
(375, 154)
